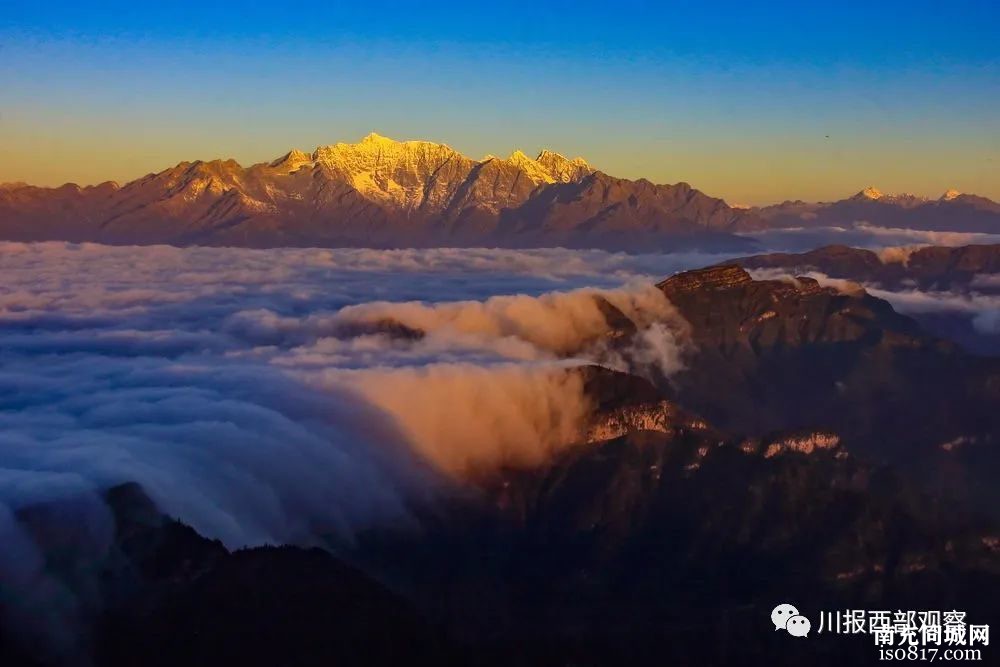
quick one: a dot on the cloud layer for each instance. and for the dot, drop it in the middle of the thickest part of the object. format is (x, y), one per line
(298, 395)
(193, 370)
(236, 386)
(243, 391)
(862, 235)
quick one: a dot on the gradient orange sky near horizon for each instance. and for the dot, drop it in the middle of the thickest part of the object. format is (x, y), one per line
(754, 105)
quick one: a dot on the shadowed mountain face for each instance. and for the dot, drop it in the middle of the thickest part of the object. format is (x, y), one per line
(379, 193)
(786, 354)
(619, 214)
(673, 547)
(161, 594)
(818, 446)
(192, 602)
(952, 212)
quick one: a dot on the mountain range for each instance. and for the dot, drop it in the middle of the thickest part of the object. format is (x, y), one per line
(377, 193)
(385, 193)
(952, 211)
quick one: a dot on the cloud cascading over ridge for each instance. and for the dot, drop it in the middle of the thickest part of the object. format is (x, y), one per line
(189, 370)
(224, 383)
(467, 419)
(216, 378)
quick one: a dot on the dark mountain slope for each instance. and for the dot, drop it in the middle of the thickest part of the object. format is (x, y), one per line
(611, 212)
(161, 594)
(780, 354)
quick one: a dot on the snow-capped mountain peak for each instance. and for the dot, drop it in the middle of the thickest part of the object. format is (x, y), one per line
(905, 199)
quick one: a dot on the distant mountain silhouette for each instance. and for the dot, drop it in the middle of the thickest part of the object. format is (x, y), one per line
(953, 211)
(379, 193)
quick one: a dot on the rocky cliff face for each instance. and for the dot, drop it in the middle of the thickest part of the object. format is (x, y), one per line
(788, 355)
(730, 310)
(624, 403)
(378, 192)
(956, 285)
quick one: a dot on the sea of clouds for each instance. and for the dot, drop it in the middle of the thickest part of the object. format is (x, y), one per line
(258, 396)
(252, 395)
(285, 396)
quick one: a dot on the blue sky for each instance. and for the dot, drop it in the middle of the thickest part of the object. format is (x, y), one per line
(754, 102)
